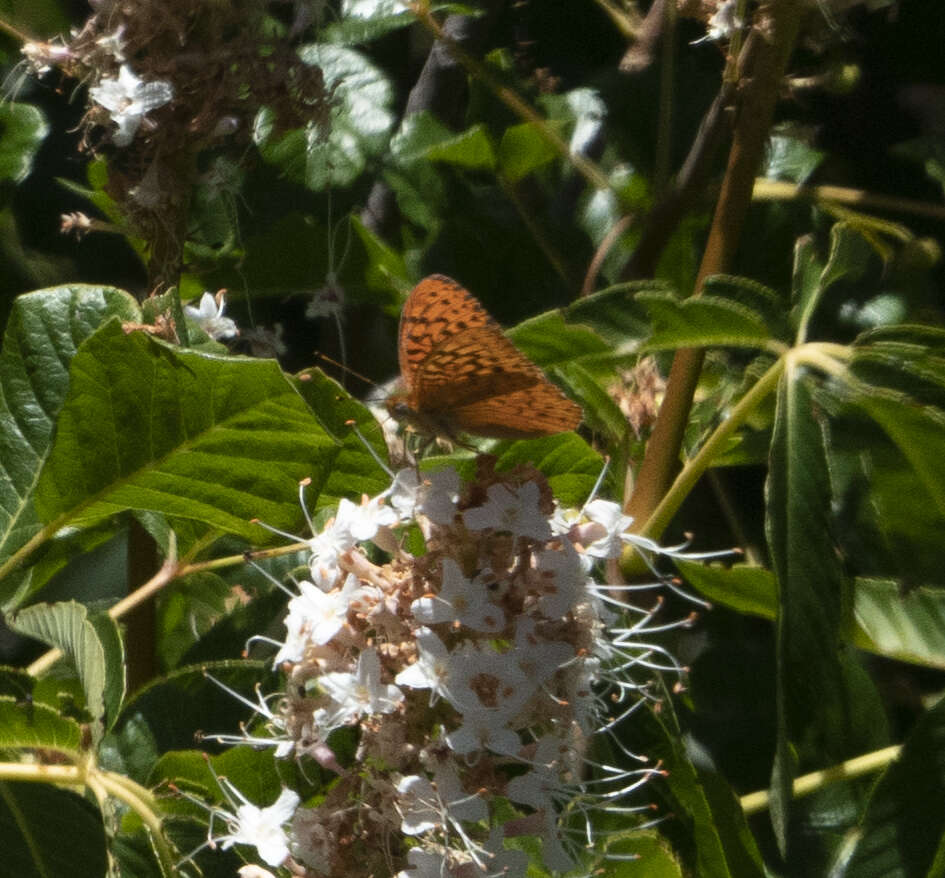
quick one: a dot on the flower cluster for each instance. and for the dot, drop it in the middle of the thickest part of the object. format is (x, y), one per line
(475, 674)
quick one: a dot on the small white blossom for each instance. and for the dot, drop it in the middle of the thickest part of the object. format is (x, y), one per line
(460, 600)
(537, 658)
(209, 316)
(260, 827)
(424, 864)
(358, 694)
(562, 576)
(431, 669)
(488, 690)
(426, 805)
(513, 511)
(614, 524)
(363, 521)
(435, 497)
(315, 617)
(129, 99)
(327, 301)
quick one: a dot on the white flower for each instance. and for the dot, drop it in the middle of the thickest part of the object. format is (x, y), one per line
(315, 617)
(431, 669)
(424, 864)
(537, 658)
(129, 99)
(460, 600)
(488, 690)
(426, 805)
(507, 862)
(724, 21)
(209, 316)
(363, 521)
(357, 694)
(438, 495)
(614, 524)
(261, 827)
(435, 497)
(562, 578)
(507, 510)
(327, 301)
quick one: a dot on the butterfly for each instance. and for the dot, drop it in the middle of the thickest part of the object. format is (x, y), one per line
(462, 375)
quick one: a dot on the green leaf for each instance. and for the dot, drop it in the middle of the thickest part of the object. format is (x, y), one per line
(341, 415)
(386, 267)
(919, 433)
(706, 808)
(908, 625)
(549, 341)
(364, 20)
(761, 300)
(90, 643)
(789, 157)
(908, 359)
(847, 261)
(29, 724)
(471, 149)
(522, 150)
(615, 314)
(22, 130)
(418, 134)
(50, 833)
(167, 713)
(360, 122)
(904, 822)
(42, 336)
(742, 587)
(601, 412)
(704, 321)
(215, 439)
(813, 598)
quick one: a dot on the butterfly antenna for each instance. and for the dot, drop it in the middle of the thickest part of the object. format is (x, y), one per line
(345, 369)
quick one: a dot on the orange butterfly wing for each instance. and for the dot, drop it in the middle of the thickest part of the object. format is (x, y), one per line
(462, 374)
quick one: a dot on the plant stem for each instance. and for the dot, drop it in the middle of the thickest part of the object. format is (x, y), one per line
(761, 67)
(809, 783)
(778, 190)
(694, 469)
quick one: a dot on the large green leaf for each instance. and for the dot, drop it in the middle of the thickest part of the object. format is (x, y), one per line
(813, 600)
(91, 644)
(216, 439)
(28, 724)
(705, 321)
(888, 619)
(717, 839)
(50, 833)
(44, 332)
(902, 828)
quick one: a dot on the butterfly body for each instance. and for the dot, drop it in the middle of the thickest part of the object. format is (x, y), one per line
(462, 375)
